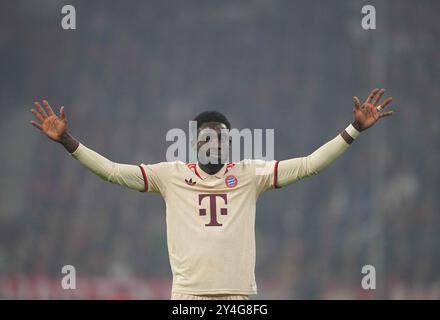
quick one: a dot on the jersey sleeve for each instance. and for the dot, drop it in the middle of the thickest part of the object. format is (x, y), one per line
(126, 175)
(292, 170)
(155, 176)
(146, 178)
(264, 174)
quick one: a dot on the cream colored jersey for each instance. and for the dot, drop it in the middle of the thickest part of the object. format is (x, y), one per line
(211, 222)
(211, 219)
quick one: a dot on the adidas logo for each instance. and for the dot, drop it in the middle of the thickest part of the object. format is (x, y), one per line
(190, 182)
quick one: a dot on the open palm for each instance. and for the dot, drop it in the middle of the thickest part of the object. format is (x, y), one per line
(369, 113)
(52, 126)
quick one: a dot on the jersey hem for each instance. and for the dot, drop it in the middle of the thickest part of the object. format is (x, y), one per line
(215, 292)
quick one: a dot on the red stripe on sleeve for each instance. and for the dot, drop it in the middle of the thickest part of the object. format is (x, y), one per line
(275, 175)
(144, 174)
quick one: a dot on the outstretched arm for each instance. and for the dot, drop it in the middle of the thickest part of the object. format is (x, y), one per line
(365, 116)
(55, 128)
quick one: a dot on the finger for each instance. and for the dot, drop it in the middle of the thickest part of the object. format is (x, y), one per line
(378, 96)
(36, 125)
(37, 115)
(371, 96)
(386, 102)
(386, 114)
(41, 110)
(357, 103)
(62, 114)
(48, 108)
(374, 113)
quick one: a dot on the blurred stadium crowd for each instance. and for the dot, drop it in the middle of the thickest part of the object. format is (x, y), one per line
(133, 70)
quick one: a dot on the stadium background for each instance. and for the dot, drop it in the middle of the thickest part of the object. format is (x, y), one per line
(134, 69)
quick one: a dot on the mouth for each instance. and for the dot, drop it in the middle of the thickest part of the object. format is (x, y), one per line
(214, 153)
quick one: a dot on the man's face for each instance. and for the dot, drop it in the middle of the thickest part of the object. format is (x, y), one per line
(213, 143)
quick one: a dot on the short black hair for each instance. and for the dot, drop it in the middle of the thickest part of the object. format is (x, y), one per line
(211, 116)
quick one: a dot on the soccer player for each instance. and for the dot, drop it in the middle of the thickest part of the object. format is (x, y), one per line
(210, 205)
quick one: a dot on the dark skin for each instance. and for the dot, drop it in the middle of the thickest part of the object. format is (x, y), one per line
(366, 115)
(211, 168)
(55, 127)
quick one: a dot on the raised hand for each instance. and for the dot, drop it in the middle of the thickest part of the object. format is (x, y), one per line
(52, 126)
(369, 113)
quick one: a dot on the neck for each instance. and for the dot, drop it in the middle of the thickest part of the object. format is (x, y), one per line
(211, 168)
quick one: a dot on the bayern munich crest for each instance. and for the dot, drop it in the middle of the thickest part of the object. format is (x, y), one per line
(231, 181)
